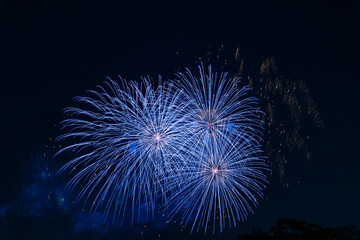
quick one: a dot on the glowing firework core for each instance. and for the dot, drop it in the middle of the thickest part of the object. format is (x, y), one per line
(157, 137)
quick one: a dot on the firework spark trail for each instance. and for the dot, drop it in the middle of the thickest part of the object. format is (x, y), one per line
(126, 143)
(290, 116)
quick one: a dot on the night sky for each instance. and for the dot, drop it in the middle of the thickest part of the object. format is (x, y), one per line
(52, 51)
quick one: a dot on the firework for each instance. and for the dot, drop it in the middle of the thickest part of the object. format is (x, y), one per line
(218, 109)
(126, 142)
(192, 147)
(221, 185)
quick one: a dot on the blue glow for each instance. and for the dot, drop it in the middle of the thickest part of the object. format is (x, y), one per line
(43, 175)
(230, 126)
(132, 147)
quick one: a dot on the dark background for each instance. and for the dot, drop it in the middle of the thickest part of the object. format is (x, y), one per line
(52, 51)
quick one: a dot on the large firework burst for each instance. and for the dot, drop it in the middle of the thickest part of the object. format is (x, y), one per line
(126, 142)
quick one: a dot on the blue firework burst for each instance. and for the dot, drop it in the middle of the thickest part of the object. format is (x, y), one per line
(192, 146)
(219, 108)
(126, 144)
(221, 185)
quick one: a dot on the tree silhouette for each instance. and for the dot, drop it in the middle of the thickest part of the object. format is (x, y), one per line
(292, 229)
